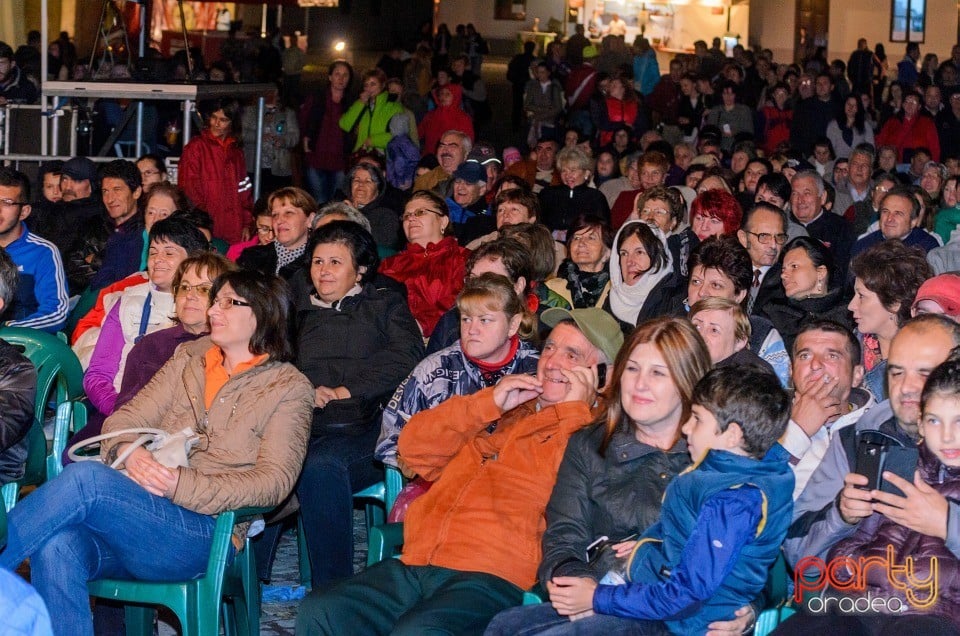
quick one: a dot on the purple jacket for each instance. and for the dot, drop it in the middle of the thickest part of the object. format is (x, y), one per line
(878, 532)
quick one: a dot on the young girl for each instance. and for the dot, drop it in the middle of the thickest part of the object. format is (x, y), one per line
(939, 469)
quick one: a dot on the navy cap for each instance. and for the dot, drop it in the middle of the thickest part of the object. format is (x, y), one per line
(471, 172)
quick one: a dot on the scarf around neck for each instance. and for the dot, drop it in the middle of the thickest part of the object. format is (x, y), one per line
(626, 301)
(585, 287)
(286, 256)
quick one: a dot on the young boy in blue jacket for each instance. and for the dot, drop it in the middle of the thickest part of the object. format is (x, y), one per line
(722, 521)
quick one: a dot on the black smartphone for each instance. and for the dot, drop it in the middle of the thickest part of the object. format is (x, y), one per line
(870, 449)
(901, 461)
(601, 374)
(878, 452)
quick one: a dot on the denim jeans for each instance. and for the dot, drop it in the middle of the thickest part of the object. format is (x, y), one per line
(93, 522)
(337, 465)
(323, 184)
(543, 620)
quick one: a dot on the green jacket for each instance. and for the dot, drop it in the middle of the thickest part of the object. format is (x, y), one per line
(375, 125)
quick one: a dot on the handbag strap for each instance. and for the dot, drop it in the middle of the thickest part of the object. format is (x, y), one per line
(147, 435)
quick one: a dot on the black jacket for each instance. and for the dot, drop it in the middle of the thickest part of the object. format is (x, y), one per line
(18, 388)
(263, 259)
(617, 495)
(560, 205)
(68, 225)
(368, 344)
(788, 315)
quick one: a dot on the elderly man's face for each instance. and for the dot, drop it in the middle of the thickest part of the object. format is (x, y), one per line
(466, 193)
(806, 201)
(565, 348)
(450, 152)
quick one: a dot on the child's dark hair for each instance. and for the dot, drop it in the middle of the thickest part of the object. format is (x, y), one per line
(750, 397)
(943, 380)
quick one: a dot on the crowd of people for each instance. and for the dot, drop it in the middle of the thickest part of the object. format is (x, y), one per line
(630, 360)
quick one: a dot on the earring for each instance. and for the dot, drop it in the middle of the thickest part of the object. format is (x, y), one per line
(819, 285)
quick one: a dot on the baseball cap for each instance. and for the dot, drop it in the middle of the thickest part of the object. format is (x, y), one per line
(80, 169)
(597, 326)
(943, 290)
(483, 153)
(471, 172)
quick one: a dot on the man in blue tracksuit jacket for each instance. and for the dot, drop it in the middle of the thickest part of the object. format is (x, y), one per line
(41, 299)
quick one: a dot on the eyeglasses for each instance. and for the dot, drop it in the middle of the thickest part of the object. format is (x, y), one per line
(9, 203)
(765, 237)
(658, 213)
(264, 229)
(203, 289)
(227, 302)
(418, 213)
(149, 173)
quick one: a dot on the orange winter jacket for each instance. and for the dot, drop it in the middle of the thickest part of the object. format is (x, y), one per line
(485, 510)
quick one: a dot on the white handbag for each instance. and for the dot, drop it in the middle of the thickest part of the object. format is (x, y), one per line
(170, 449)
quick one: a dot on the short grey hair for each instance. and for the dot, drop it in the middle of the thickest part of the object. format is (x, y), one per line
(465, 142)
(8, 278)
(864, 150)
(345, 210)
(810, 174)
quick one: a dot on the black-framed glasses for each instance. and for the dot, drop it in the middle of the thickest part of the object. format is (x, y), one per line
(227, 302)
(765, 237)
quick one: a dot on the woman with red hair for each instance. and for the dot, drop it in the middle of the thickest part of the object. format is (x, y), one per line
(715, 213)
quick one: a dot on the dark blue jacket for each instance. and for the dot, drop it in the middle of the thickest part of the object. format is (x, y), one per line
(720, 530)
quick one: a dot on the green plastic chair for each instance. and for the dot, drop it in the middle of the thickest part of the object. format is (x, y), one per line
(378, 500)
(384, 542)
(196, 603)
(59, 378)
(71, 417)
(241, 588)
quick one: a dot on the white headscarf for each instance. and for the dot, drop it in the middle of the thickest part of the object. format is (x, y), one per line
(627, 300)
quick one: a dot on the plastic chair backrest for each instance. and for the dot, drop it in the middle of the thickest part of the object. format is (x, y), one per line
(71, 417)
(59, 377)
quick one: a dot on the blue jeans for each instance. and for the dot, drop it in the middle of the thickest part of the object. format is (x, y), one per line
(93, 522)
(323, 184)
(543, 620)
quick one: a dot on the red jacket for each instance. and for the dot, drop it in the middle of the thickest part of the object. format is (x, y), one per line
(776, 127)
(619, 111)
(433, 276)
(907, 134)
(444, 118)
(486, 509)
(213, 175)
